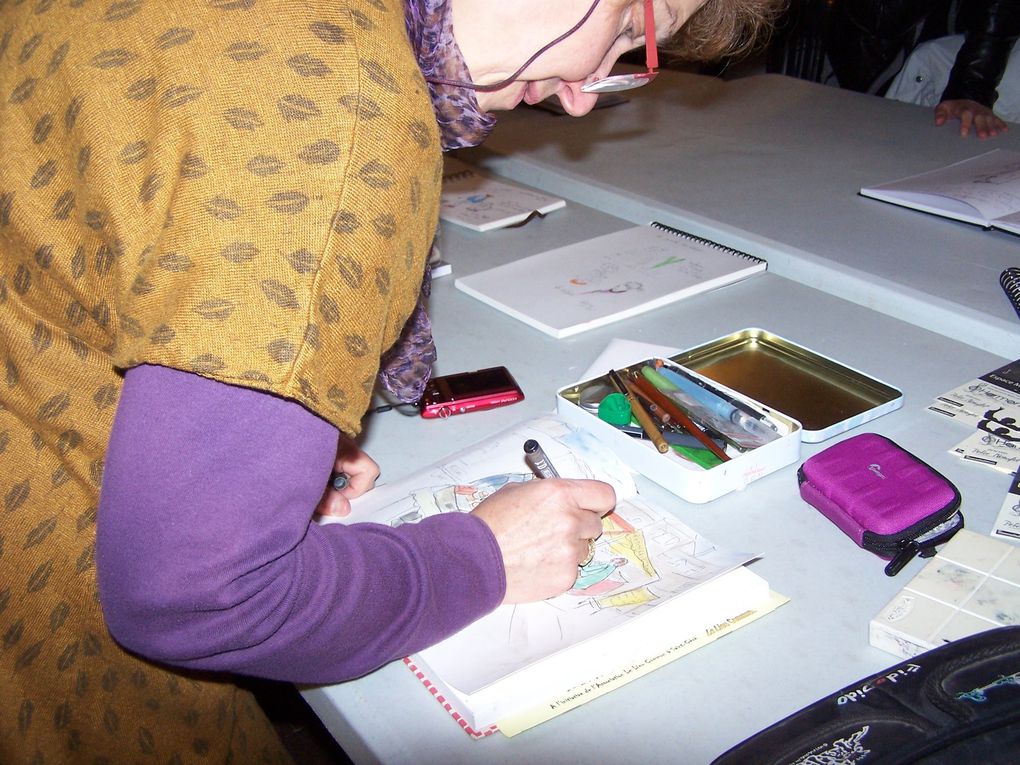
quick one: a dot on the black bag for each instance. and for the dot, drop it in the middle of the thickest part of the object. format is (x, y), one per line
(958, 704)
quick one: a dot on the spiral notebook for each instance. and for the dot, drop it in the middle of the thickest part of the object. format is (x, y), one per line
(598, 281)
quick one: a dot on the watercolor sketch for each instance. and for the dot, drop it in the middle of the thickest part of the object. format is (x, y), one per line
(644, 557)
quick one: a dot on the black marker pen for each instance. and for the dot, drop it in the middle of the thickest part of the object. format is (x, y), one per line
(537, 460)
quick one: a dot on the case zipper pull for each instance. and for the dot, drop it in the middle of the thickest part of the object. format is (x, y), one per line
(908, 550)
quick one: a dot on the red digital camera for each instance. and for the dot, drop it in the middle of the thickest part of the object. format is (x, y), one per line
(448, 395)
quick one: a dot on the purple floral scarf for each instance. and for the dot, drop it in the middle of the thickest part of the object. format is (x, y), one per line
(406, 367)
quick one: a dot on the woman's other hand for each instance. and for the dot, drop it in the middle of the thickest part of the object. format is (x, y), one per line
(361, 471)
(971, 115)
(543, 528)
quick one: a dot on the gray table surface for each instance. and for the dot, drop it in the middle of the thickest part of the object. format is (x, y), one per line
(772, 165)
(693, 709)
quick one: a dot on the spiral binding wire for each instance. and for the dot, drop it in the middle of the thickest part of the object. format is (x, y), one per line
(1010, 281)
(708, 242)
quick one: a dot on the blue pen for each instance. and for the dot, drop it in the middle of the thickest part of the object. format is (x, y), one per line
(748, 410)
(718, 405)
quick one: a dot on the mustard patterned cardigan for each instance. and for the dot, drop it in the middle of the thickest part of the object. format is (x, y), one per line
(245, 189)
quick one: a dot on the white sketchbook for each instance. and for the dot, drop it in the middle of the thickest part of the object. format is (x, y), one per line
(588, 284)
(654, 590)
(984, 190)
(478, 201)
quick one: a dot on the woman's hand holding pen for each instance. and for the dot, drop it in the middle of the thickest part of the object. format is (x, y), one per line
(543, 528)
(354, 473)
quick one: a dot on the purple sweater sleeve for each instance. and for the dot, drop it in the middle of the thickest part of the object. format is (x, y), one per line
(206, 557)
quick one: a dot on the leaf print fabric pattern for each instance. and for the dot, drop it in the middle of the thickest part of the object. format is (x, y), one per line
(244, 189)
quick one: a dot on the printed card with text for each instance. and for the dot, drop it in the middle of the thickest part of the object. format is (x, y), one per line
(991, 405)
(1007, 524)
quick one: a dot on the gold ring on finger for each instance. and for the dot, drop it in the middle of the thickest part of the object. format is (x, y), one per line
(591, 554)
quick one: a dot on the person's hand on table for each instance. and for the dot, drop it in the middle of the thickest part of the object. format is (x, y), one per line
(971, 114)
(362, 472)
(543, 528)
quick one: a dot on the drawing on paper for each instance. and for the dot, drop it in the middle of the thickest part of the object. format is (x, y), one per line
(617, 273)
(448, 498)
(643, 557)
(1008, 173)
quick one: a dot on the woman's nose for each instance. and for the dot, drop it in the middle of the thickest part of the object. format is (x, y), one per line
(575, 102)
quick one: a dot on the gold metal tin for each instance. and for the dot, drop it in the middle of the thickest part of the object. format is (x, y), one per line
(683, 478)
(823, 395)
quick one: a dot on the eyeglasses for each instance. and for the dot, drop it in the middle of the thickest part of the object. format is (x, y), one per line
(618, 82)
(609, 84)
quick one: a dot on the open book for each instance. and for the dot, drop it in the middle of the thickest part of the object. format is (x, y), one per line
(984, 190)
(654, 590)
(591, 283)
(480, 202)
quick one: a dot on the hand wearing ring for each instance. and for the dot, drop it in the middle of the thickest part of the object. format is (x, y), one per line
(544, 528)
(589, 556)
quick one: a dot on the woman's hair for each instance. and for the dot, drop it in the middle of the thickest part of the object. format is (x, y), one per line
(724, 28)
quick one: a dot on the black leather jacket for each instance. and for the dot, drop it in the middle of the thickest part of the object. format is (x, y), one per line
(993, 27)
(866, 36)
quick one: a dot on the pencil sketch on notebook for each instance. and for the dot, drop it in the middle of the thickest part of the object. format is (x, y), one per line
(611, 277)
(607, 275)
